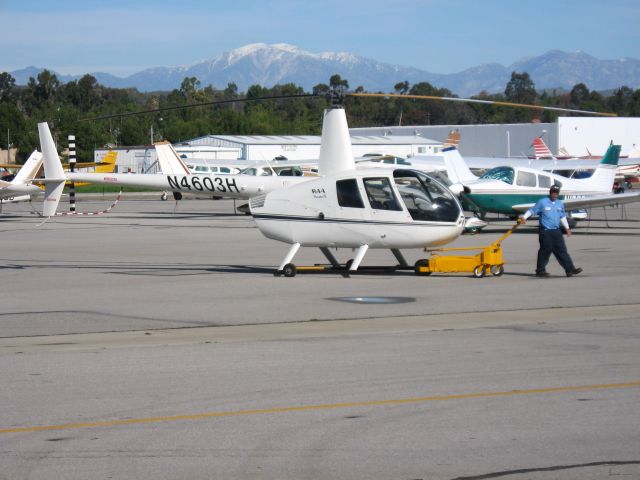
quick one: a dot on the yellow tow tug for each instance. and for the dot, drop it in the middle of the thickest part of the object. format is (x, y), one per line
(489, 260)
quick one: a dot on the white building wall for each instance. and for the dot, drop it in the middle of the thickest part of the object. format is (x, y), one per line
(312, 152)
(292, 152)
(579, 134)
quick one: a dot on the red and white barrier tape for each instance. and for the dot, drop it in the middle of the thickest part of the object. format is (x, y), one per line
(107, 210)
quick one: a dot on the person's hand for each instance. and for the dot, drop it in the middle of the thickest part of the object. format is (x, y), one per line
(521, 220)
(568, 232)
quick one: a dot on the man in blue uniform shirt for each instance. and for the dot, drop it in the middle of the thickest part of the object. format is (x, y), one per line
(551, 212)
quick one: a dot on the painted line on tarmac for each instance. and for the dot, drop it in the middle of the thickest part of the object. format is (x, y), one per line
(328, 406)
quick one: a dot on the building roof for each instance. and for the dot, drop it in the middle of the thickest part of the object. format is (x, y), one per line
(229, 140)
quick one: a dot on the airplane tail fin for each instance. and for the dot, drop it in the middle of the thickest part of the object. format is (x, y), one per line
(54, 178)
(605, 173)
(457, 169)
(110, 160)
(169, 160)
(540, 149)
(29, 169)
(453, 139)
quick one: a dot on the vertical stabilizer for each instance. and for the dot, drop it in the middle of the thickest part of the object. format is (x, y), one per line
(540, 149)
(457, 169)
(109, 161)
(169, 160)
(603, 176)
(336, 154)
(453, 139)
(53, 172)
(29, 169)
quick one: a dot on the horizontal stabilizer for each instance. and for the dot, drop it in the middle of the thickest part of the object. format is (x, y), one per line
(169, 160)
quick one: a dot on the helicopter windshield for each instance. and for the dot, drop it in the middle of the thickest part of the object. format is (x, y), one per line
(425, 198)
(504, 174)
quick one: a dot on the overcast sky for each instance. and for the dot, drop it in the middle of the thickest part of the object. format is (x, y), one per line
(441, 36)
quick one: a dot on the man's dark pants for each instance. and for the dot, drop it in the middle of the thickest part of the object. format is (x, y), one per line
(551, 241)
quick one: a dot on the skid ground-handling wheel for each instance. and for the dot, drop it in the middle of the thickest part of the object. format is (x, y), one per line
(497, 270)
(421, 263)
(289, 270)
(479, 271)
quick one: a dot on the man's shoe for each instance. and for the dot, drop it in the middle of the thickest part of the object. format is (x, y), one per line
(573, 272)
(543, 274)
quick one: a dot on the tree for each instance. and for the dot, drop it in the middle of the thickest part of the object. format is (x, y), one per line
(579, 93)
(337, 82)
(520, 89)
(401, 87)
(47, 86)
(189, 87)
(321, 89)
(231, 91)
(7, 83)
(621, 100)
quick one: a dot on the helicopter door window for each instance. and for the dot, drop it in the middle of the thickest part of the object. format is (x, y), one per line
(380, 194)
(349, 194)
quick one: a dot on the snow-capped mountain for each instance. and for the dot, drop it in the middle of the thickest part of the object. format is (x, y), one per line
(269, 65)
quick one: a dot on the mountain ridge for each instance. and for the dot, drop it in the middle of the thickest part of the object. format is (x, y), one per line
(267, 65)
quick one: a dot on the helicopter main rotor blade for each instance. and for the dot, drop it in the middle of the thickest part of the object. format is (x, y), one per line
(204, 104)
(476, 100)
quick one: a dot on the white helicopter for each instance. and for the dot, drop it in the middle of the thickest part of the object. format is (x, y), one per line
(357, 208)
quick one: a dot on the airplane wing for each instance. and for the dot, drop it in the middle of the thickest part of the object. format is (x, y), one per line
(589, 201)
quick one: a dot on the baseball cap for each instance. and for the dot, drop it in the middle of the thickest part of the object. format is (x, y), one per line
(554, 188)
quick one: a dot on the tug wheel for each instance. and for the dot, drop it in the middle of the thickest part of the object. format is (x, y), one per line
(497, 270)
(478, 272)
(421, 263)
(289, 270)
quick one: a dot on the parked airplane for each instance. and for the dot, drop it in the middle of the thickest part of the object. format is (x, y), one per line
(357, 208)
(20, 188)
(511, 189)
(627, 173)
